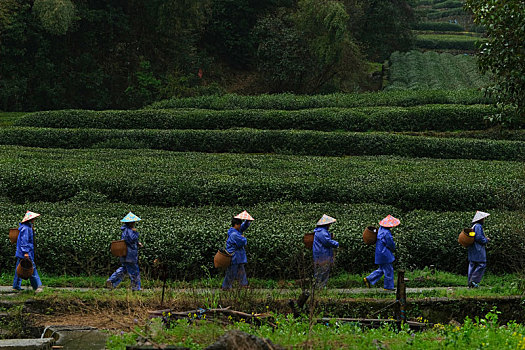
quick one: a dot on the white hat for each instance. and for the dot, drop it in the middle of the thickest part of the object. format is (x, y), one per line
(325, 220)
(29, 216)
(480, 215)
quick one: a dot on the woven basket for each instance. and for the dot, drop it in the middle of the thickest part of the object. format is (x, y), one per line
(222, 259)
(370, 235)
(13, 235)
(119, 248)
(24, 270)
(465, 239)
(308, 240)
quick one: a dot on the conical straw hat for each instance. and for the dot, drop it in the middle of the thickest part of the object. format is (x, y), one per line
(131, 218)
(244, 216)
(480, 215)
(30, 215)
(389, 221)
(325, 220)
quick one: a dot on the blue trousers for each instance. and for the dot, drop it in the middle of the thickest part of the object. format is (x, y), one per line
(132, 269)
(34, 279)
(384, 269)
(476, 271)
(233, 273)
(321, 273)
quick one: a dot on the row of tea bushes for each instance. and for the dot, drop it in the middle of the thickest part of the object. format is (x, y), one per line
(494, 134)
(432, 70)
(267, 141)
(340, 100)
(447, 42)
(420, 118)
(439, 26)
(170, 179)
(74, 238)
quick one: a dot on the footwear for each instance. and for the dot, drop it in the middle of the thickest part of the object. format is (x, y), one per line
(16, 290)
(39, 290)
(474, 285)
(389, 290)
(367, 284)
(109, 285)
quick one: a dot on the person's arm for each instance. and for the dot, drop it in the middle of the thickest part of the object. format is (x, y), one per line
(245, 225)
(131, 236)
(327, 241)
(239, 240)
(389, 242)
(23, 240)
(480, 235)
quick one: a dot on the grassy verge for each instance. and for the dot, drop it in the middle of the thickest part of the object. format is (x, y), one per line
(301, 333)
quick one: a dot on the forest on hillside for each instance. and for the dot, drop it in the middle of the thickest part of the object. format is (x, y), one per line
(107, 54)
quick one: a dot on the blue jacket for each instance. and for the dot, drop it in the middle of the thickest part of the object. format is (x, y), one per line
(476, 251)
(385, 246)
(132, 241)
(24, 244)
(323, 248)
(236, 242)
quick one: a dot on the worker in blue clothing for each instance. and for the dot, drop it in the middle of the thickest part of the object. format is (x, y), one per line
(323, 251)
(477, 255)
(25, 249)
(130, 262)
(384, 256)
(235, 245)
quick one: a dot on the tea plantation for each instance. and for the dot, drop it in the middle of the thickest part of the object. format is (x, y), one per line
(187, 165)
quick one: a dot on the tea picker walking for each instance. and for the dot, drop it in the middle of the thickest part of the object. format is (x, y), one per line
(25, 249)
(235, 246)
(384, 256)
(129, 262)
(323, 251)
(477, 255)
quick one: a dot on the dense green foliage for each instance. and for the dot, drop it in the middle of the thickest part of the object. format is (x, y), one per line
(295, 333)
(101, 54)
(167, 178)
(503, 54)
(448, 4)
(431, 70)
(266, 141)
(419, 118)
(439, 26)
(290, 101)
(75, 237)
(447, 42)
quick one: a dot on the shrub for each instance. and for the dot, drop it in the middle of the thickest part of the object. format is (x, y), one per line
(447, 42)
(419, 118)
(74, 238)
(290, 101)
(268, 141)
(172, 179)
(449, 4)
(439, 26)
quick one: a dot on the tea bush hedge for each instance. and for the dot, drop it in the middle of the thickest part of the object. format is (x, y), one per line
(419, 118)
(439, 26)
(431, 70)
(447, 42)
(74, 238)
(151, 177)
(267, 141)
(291, 101)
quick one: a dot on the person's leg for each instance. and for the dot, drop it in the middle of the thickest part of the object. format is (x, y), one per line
(117, 276)
(388, 270)
(35, 278)
(471, 267)
(478, 272)
(321, 274)
(241, 276)
(375, 276)
(134, 275)
(17, 281)
(231, 273)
